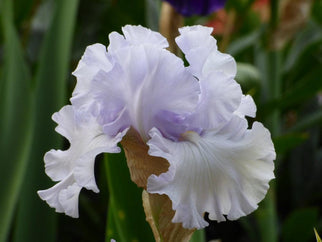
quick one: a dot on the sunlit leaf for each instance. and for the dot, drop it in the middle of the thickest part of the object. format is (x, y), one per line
(318, 239)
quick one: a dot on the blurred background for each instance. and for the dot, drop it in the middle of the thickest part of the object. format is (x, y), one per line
(278, 48)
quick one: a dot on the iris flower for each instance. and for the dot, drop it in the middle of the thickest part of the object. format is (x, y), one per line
(196, 7)
(193, 117)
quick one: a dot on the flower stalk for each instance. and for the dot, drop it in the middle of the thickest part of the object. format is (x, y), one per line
(267, 216)
(159, 213)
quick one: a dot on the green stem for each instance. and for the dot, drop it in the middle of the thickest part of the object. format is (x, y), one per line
(274, 63)
(274, 13)
(267, 215)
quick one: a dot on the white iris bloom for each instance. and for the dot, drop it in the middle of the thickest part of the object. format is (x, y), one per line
(193, 117)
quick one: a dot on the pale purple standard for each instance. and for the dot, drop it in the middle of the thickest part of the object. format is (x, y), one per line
(194, 117)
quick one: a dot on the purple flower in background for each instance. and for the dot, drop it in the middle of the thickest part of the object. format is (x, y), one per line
(196, 7)
(194, 118)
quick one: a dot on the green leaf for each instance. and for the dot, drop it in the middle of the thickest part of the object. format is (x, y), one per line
(111, 229)
(35, 220)
(247, 75)
(318, 239)
(15, 121)
(298, 225)
(244, 42)
(127, 218)
(287, 142)
(23, 9)
(269, 64)
(152, 13)
(198, 236)
(308, 121)
(305, 88)
(310, 36)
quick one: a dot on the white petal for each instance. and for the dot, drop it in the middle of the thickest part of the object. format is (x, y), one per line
(204, 58)
(117, 41)
(218, 61)
(66, 121)
(63, 196)
(68, 199)
(86, 141)
(191, 37)
(220, 97)
(84, 169)
(138, 35)
(144, 82)
(74, 168)
(218, 172)
(94, 59)
(58, 164)
(135, 35)
(247, 107)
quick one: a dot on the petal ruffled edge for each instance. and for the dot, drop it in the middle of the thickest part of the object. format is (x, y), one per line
(74, 168)
(220, 97)
(204, 58)
(138, 35)
(216, 173)
(63, 196)
(247, 107)
(94, 59)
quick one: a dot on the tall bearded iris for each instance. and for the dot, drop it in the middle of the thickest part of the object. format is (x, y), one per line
(192, 118)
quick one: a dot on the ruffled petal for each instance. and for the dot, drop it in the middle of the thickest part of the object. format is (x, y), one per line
(247, 107)
(68, 198)
(138, 35)
(86, 141)
(74, 168)
(141, 86)
(63, 196)
(220, 62)
(189, 42)
(204, 58)
(135, 35)
(218, 172)
(220, 97)
(84, 165)
(117, 41)
(94, 59)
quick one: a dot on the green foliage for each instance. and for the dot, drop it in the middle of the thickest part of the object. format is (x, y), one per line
(248, 76)
(287, 142)
(298, 225)
(50, 91)
(318, 239)
(126, 218)
(15, 122)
